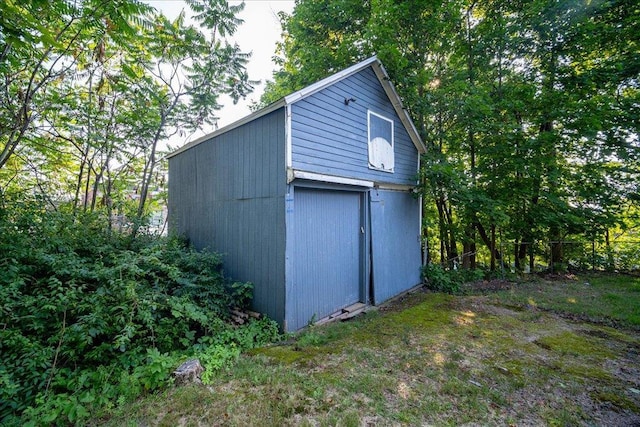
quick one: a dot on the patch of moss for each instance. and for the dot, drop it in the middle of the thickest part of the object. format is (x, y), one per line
(433, 312)
(518, 373)
(512, 368)
(616, 399)
(610, 333)
(589, 373)
(569, 343)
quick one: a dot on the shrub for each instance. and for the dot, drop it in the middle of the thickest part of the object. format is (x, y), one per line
(90, 319)
(448, 281)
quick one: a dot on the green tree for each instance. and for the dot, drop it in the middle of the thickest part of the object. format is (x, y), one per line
(90, 93)
(529, 109)
(39, 42)
(190, 68)
(319, 38)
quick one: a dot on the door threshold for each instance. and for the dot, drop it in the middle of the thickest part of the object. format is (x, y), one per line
(346, 313)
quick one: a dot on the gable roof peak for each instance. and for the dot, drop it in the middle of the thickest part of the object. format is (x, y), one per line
(386, 83)
(381, 74)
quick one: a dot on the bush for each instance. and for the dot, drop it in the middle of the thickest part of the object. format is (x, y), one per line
(90, 319)
(448, 281)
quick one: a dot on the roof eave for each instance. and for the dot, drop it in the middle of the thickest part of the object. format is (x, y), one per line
(256, 114)
(390, 90)
(382, 76)
(328, 81)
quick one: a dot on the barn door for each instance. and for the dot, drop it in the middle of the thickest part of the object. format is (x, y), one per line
(395, 244)
(327, 254)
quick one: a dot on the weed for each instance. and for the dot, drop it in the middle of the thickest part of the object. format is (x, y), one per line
(448, 281)
(90, 320)
(429, 359)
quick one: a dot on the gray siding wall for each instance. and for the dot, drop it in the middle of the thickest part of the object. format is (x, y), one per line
(227, 195)
(330, 137)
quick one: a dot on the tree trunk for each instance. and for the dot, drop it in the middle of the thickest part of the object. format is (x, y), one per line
(453, 247)
(531, 258)
(469, 248)
(86, 187)
(147, 174)
(444, 250)
(76, 198)
(495, 253)
(610, 263)
(493, 248)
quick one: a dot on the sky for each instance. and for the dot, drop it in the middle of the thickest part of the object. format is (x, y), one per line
(258, 35)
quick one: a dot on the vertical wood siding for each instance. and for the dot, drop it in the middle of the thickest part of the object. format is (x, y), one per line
(395, 244)
(227, 195)
(303, 248)
(326, 254)
(330, 137)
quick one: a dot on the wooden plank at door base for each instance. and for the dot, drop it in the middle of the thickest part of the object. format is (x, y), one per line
(346, 313)
(353, 312)
(353, 307)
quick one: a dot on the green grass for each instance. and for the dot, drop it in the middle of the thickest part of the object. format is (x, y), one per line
(605, 298)
(524, 356)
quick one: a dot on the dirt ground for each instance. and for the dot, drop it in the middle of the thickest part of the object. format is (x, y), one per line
(605, 400)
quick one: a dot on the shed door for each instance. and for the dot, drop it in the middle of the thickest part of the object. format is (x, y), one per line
(395, 244)
(327, 256)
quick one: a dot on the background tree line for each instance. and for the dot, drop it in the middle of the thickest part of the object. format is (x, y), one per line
(529, 110)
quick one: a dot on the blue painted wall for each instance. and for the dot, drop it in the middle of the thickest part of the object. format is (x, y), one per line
(330, 137)
(307, 246)
(227, 194)
(395, 243)
(325, 253)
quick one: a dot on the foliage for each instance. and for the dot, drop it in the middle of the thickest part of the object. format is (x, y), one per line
(241, 292)
(217, 357)
(90, 319)
(450, 281)
(528, 110)
(434, 359)
(321, 38)
(221, 350)
(91, 91)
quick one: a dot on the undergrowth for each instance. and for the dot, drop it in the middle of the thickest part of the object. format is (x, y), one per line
(440, 279)
(91, 319)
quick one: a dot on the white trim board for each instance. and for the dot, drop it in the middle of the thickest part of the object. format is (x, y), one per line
(312, 176)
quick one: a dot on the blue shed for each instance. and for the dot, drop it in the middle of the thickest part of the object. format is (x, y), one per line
(310, 198)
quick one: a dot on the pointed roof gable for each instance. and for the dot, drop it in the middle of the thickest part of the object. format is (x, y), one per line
(294, 97)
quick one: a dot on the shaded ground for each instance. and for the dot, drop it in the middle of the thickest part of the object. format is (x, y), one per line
(510, 355)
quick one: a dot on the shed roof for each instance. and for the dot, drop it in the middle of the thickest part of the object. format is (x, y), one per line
(292, 98)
